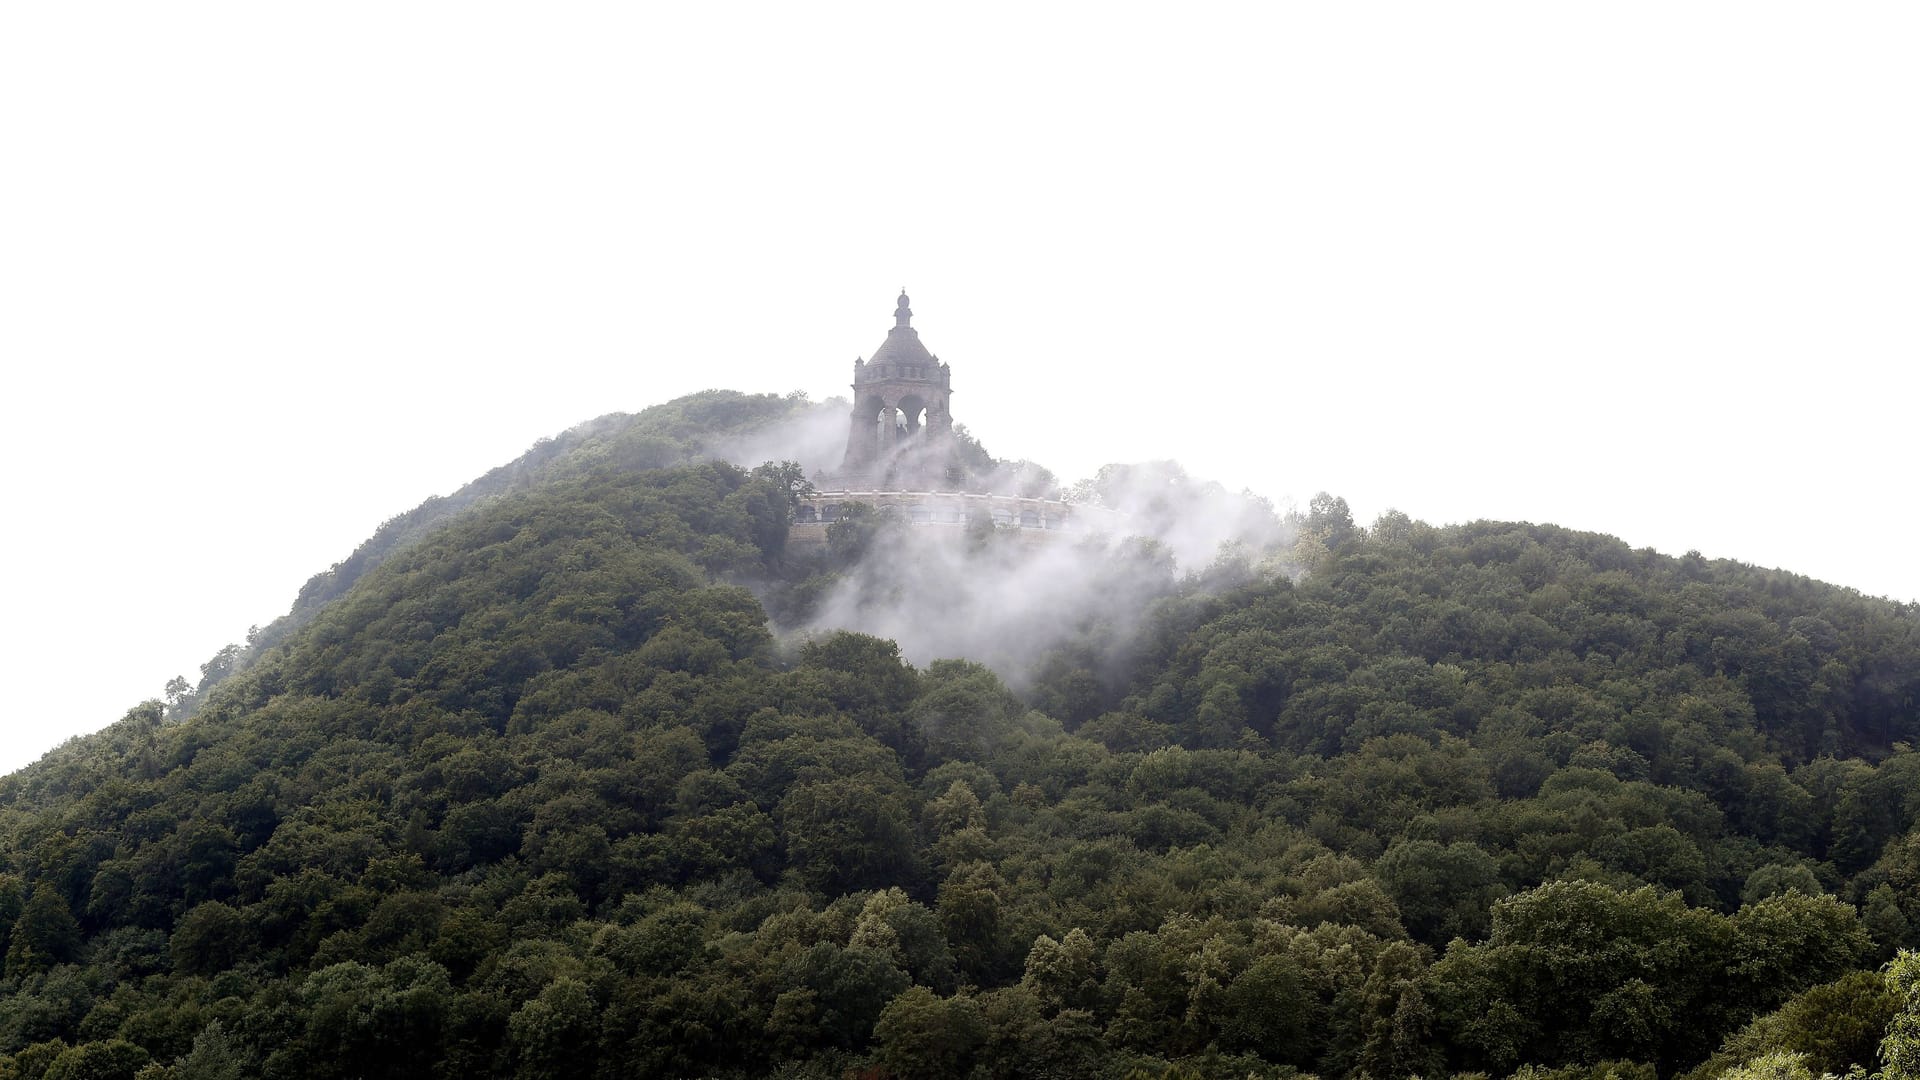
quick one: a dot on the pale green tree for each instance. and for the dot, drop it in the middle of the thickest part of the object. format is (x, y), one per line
(1900, 1050)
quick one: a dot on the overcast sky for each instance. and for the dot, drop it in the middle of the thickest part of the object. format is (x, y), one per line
(272, 273)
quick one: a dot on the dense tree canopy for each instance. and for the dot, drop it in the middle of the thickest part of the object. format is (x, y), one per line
(539, 788)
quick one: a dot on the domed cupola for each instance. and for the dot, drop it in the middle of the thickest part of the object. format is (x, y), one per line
(900, 399)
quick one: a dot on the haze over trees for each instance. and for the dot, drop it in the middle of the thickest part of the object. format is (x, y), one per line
(545, 781)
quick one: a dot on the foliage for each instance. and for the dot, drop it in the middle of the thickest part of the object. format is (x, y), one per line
(1901, 1049)
(535, 787)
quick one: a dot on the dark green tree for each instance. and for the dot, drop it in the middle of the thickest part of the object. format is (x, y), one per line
(921, 1036)
(44, 933)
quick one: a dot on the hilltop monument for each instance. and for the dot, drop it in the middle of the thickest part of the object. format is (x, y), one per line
(901, 457)
(901, 431)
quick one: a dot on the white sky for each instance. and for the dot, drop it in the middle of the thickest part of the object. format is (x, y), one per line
(272, 273)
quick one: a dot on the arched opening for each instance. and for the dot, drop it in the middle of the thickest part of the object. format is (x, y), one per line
(911, 410)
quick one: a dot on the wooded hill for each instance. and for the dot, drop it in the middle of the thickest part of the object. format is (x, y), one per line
(529, 788)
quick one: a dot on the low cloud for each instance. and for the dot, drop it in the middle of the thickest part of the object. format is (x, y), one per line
(1007, 596)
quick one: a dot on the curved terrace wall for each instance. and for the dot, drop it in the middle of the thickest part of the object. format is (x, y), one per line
(953, 510)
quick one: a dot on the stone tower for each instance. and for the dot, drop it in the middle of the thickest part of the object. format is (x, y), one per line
(901, 432)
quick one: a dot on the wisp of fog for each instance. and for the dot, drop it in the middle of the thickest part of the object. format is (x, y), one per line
(1007, 597)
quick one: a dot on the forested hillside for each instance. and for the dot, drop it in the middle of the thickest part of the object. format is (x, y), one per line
(537, 788)
(711, 425)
